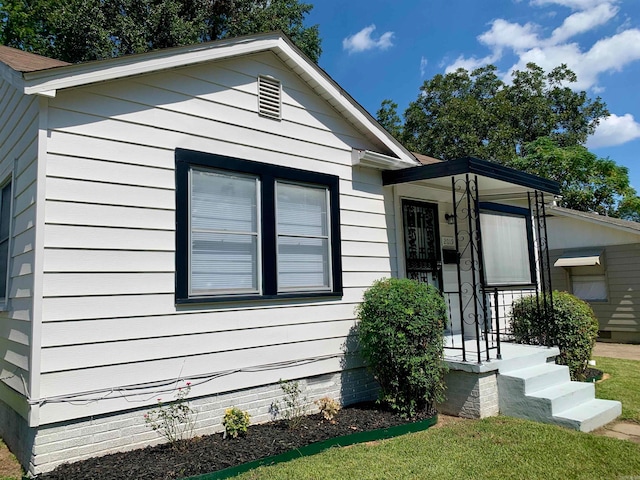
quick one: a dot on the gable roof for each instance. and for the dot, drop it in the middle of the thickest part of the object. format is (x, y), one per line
(50, 78)
(618, 223)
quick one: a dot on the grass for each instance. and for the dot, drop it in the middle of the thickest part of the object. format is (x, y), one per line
(623, 384)
(499, 447)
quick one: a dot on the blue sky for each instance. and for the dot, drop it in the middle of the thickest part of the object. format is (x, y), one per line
(379, 49)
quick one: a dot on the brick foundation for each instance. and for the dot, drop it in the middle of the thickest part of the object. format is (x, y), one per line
(42, 449)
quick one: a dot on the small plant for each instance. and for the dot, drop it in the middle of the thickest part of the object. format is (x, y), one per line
(572, 326)
(173, 420)
(328, 407)
(401, 333)
(235, 422)
(295, 404)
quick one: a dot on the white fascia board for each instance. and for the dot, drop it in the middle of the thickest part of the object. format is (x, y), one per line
(46, 81)
(367, 158)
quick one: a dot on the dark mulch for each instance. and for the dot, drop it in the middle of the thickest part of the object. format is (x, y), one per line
(210, 453)
(592, 374)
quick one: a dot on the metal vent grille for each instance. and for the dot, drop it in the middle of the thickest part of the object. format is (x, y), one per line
(269, 97)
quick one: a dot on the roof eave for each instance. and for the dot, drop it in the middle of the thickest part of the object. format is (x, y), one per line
(472, 166)
(567, 212)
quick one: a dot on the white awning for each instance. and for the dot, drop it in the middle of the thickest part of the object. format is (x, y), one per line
(580, 258)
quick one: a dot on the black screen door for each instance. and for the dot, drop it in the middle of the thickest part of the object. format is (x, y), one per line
(422, 242)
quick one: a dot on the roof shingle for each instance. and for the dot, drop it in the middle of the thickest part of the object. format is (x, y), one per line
(27, 62)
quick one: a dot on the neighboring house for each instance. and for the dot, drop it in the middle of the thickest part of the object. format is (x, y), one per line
(213, 214)
(597, 258)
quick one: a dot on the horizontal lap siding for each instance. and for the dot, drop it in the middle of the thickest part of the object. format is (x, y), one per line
(18, 156)
(110, 318)
(621, 312)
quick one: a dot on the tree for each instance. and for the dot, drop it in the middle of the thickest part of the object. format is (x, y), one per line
(587, 183)
(83, 30)
(477, 114)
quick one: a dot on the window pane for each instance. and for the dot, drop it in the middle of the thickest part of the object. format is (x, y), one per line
(505, 249)
(302, 210)
(590, 287)
(223, 262)
(303, 263)
(5, 212)
(222, 202)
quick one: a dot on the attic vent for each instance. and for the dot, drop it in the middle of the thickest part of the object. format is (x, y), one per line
(269, 97)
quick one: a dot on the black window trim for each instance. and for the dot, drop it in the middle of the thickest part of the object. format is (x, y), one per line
(510, 210)
(268, 175)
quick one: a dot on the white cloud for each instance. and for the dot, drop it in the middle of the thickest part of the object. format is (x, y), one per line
(573, 4)
(526, 42)
(423, 66)
(583, 21)
(503, 34)
(615, 130)
(362, 41)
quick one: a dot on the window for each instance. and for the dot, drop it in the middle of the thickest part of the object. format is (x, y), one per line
(588, 287)
(506, 245)
(586, 273)
(5, 221)
(248, 230)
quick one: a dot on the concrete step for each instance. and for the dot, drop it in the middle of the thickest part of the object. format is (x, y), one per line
(590, 415)
(517, 357)
(558, 398)
(538, 377)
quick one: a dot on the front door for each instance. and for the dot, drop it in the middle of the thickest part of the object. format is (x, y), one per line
(422, 242)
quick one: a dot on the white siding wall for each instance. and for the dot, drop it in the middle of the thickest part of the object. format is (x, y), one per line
(18, 161)
(109, 318)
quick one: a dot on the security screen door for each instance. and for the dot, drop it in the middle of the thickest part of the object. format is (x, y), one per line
(422, 242)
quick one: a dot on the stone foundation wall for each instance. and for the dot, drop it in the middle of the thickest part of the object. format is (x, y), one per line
(470, 395)
(51, 445)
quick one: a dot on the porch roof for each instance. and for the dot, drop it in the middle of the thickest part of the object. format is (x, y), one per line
(501, 175)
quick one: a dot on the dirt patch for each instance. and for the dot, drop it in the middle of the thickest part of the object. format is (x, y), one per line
(9, 466)
(211, 453)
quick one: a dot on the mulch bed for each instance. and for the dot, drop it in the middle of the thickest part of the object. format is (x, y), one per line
(211, 452)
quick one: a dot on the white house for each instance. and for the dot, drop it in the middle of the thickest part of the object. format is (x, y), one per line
(597, 258)
(213, 214)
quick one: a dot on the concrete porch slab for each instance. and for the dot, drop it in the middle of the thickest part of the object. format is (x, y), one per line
(513, 356)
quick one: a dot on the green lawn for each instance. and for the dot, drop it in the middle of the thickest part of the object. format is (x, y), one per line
(495, 448)
(623, 385)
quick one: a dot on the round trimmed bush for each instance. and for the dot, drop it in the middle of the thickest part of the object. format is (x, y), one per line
(572, 326)
(401, 334)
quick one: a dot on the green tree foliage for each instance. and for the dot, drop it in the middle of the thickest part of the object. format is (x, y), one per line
(572, 326)
(401, 333)
(587, 183)
(477, 114)
(536, 124)
(83, 30)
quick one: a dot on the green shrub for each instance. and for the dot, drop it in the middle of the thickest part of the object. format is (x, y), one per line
(401, 337)
(572, 326)
(236, 422)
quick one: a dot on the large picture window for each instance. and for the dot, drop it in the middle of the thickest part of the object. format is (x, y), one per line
(506, 245)
(248, 230)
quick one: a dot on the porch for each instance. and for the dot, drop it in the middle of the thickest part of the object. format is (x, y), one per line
(477, 231)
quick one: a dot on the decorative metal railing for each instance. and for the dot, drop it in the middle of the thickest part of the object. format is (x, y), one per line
(480, 315)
